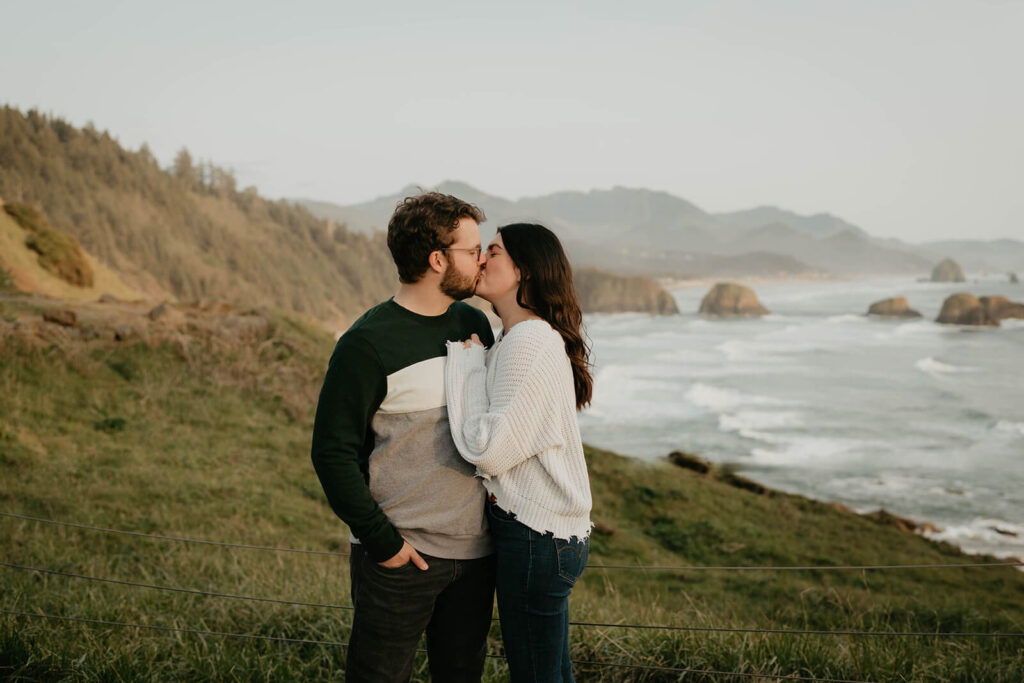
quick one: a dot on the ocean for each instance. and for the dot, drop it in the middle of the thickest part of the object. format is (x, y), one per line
(921, 419)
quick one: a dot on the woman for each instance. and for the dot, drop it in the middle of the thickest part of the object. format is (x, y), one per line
(513, 414)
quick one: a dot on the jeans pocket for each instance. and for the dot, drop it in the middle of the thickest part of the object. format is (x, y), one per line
(496, 514)
(572, 558)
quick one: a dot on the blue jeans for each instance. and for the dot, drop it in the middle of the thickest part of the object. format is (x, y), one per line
(451, 601)
(536, 572)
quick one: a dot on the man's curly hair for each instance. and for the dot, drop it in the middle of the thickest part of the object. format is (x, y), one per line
(424, 224)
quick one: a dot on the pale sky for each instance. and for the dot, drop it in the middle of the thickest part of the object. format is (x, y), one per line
(905, 118)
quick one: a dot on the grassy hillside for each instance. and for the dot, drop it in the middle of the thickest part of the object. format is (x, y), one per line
(187, 232)
(27, 273)
(204, 434)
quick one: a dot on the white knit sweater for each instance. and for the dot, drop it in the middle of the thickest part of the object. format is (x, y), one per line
(513, 415)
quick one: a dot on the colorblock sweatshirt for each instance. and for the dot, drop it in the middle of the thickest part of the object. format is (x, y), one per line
(382, 447)
(513, 415)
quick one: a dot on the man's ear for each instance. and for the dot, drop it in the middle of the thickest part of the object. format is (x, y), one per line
(437, 261)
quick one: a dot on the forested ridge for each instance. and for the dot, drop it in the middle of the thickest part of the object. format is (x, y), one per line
(187, 231)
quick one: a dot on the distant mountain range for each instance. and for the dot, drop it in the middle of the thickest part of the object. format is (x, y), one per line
(629, 230)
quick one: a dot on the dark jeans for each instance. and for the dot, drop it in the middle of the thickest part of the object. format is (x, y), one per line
(536, 572)
(452, 601)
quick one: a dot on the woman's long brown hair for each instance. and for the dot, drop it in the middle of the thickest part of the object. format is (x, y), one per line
(546, 288)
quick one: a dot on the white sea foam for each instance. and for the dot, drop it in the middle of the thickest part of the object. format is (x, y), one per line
(809, 335)
(1010, 427)
(754, 421)
(916, 328)
(934, 367)
(637, 394)
(807, 450)
(1013, 324)
(846, 318)
(722, 400)
(996, 536)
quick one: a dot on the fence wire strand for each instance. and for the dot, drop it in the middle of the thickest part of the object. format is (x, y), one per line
(331, 643)
(702, 629)
(952, 565)
(180, 539)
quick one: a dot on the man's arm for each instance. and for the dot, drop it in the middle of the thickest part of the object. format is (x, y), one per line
(482, 328)
(353, 389)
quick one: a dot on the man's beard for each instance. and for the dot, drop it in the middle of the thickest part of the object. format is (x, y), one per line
(456, 285)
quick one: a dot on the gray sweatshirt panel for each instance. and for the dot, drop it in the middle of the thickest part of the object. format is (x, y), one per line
(426, 489)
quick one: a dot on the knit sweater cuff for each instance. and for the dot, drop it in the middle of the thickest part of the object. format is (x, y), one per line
(466, 389)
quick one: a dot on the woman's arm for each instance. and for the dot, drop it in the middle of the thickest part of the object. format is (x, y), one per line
(521, 416)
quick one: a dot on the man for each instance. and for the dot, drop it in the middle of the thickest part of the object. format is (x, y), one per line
(421, 553)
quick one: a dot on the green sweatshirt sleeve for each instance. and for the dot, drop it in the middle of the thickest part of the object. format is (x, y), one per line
(353, 389)
(484, 330)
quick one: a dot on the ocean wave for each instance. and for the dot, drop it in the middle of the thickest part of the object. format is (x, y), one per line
(805, 450)
(751, 424)
(846, 318)
(637, 395)
(807, 336)
(934, 367)
(998, 531)
(1011, 427)
(722, 400)
(1013, 324)
(917, 327)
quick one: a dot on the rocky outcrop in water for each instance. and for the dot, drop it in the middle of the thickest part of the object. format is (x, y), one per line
(964, 309)
(601, 292)
(904, 524)
(1013, 278)
(967, 309)
(1001, 308)
(948, 271)
(896, 307)
(729, 299)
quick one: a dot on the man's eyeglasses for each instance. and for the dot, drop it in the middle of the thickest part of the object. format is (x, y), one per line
(475, 251)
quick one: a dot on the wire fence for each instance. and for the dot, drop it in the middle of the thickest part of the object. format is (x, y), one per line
(579, 624)
(329, 643)
(705, 629)
(180, 539)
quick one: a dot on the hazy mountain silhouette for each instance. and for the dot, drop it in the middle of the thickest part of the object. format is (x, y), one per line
(818, 225)
(636, 230)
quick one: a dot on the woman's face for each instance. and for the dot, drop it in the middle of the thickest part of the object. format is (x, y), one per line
(499, 277)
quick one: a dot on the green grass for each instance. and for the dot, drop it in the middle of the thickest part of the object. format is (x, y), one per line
(211, 442)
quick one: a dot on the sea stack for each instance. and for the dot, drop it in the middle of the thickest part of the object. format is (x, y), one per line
(965, 309)
(601, 292)
(728, 299)
(1001, 308)
(896, 307)
(948, 271)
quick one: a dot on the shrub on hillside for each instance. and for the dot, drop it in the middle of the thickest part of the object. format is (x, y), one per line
(58, 251)
(6, 283)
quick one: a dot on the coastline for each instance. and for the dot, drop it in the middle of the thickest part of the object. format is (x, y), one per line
(730, 474)
(908, 416)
